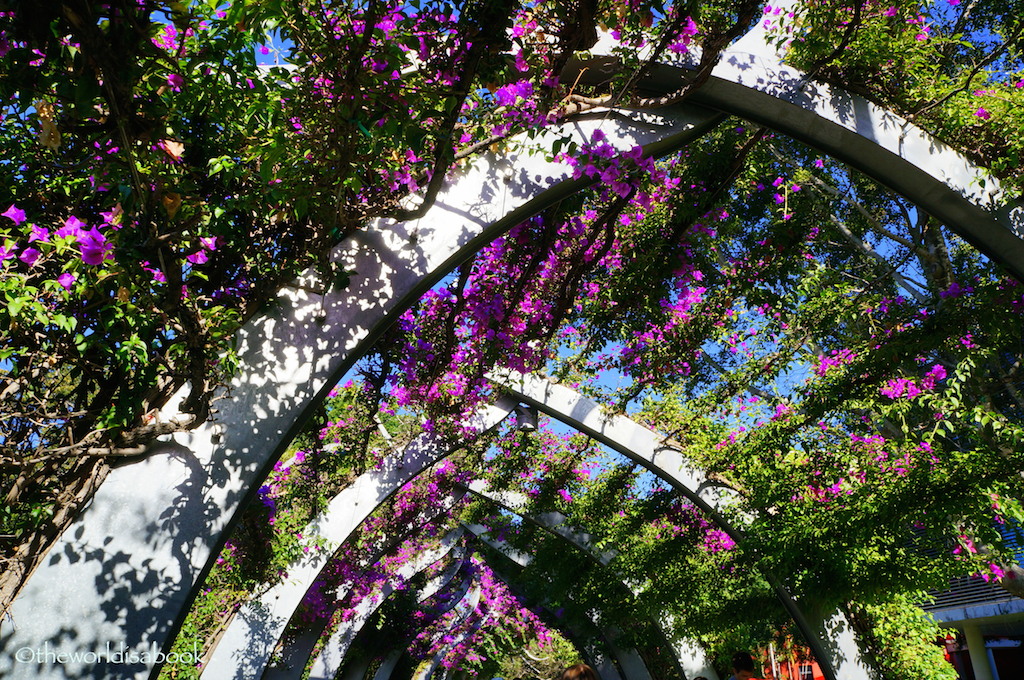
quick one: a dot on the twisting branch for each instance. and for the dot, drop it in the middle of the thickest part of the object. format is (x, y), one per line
(972, 74)
(711, 52)
(443, 153)
(844, 42)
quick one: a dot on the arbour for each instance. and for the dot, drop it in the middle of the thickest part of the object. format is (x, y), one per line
(560, 402)
(949, 195)
(333, 656)
(342, 519)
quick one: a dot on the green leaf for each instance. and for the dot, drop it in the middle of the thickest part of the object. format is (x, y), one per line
(14, 306)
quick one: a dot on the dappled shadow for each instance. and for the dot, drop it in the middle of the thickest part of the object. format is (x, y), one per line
(294, 656)
(337, 524)
(259, 622)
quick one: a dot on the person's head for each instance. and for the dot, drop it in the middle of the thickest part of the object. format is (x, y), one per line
(742, 666)
(580, 671)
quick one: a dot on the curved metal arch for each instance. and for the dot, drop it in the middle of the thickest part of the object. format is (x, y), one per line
(689, 657)
(618, 432)
(751, 82)
(329, 661)
(268, 632)
(246, 646)
(388, 666)
(474, 600)
(126, 570)
(462, 592)
(444, 580)
(831, 640)
(627, 661)
(261, 624)
(295, 655)
(392, 659)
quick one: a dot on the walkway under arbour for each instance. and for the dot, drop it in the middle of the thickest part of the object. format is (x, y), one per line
(128, 569)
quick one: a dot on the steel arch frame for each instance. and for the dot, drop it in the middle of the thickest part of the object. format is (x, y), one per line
(152, 530)
(553, 524)
(829, 637)
(343, 516)
(236, 653)
(296, 655)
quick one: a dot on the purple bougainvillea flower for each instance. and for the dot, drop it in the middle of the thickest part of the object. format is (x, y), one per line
(158, 276)
(717, 540)
(680, 47)
(67, 279)
(894, 389)
(72, 228)
(955, 290)
(176, 82)
(198, 257)
(29, 256)
(982, 113)
(15, 214)
(933, 376)
(6, 252)
(39, 234)
(507, 94)
(521, 65)
(95, 247)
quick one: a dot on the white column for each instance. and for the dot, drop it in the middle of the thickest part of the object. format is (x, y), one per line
(979, 655)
